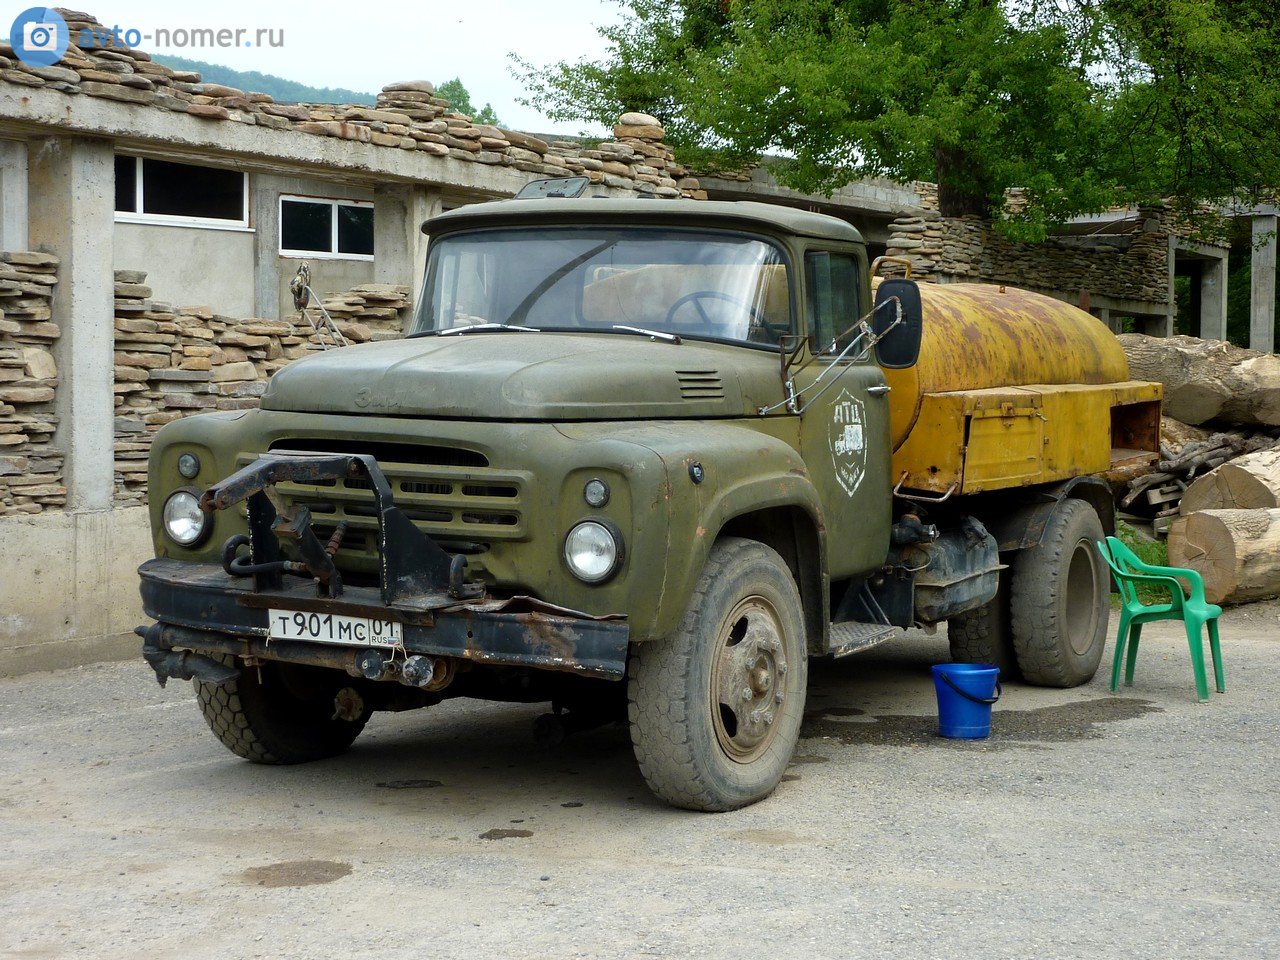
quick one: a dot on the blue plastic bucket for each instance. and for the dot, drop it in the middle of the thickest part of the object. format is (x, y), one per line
(966, 692)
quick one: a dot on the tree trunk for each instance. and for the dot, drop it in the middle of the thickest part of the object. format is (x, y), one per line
(1208, 379)
(1245, 483)
(1236, 551)
(964, 189)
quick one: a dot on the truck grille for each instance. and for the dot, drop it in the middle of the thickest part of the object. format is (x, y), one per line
(450, 493)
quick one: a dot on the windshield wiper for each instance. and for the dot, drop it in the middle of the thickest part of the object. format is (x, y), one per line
(651, 334)
(485, 326)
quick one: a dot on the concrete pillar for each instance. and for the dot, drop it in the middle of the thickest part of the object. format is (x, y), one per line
(1213, 298)
(399, 245)
(264, 214)
(13, 195)
(72, 205)
(1262, 326)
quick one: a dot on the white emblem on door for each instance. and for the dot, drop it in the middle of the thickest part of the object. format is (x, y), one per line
(848, 441)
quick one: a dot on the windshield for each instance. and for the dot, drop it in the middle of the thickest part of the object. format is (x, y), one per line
(689, 283)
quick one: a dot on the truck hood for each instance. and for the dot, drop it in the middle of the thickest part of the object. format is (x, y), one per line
(530, 376)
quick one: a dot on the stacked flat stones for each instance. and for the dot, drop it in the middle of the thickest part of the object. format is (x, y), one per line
(407, 116)
(174, 361)
(30, 468)
(1128, 266)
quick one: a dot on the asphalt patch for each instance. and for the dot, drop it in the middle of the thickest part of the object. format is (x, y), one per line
(503, 834)
(296, 873)
(1009, 728)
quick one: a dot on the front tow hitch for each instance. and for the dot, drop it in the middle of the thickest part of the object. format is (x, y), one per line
(411, 563)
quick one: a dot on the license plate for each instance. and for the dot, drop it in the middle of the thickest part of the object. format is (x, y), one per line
(333, 628)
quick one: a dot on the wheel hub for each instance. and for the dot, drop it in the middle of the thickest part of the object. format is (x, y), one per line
(747, 680)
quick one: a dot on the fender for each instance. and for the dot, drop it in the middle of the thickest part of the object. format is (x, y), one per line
(1024, 525)
(744, 473)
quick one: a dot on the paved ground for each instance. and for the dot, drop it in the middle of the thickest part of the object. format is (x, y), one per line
(1137, 826)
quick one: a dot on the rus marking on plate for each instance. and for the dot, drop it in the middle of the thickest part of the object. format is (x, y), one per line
(848, 441)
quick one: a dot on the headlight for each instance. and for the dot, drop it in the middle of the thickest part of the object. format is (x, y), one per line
(593, 551)
(184, 522)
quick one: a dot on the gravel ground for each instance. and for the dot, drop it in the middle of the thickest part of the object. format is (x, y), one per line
(1089, 825)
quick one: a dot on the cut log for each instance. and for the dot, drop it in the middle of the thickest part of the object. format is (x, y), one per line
(1236, 551)
(1208, 379)
(1245, 483)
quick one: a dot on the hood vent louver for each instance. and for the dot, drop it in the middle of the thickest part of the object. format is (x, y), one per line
(700, 384)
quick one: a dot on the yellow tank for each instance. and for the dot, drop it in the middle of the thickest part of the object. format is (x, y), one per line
(1014, 388)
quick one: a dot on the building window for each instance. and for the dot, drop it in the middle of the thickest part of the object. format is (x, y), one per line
(339, 229)
(162, 191)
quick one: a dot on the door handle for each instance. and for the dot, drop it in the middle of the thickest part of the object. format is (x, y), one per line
(880, 390)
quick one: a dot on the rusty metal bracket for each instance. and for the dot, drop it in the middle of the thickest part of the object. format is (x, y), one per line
(411, 562)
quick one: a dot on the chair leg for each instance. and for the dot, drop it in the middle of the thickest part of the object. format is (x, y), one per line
(1135, 636)
(1216, 649)
(1195, 641)
(1122, 635)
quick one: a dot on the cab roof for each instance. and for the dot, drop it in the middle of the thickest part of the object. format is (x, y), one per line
(742, 213)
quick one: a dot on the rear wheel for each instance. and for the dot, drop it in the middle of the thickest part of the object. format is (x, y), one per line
(1059, 600)
(715, 709)
(985, 635)
(282, 712)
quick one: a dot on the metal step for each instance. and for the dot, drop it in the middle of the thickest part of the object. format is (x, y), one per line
(854, 635)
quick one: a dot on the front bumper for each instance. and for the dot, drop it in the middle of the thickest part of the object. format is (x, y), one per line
(200, 607)
(207, 608)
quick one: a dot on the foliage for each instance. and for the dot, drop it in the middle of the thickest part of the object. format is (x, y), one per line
(460, 100)
(1085, 103)
(1154, 552)
(284, 91)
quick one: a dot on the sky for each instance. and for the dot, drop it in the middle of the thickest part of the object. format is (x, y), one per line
(328, 43)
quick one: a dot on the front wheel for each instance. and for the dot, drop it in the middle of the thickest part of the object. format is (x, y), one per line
(283, 712)
(715, 709)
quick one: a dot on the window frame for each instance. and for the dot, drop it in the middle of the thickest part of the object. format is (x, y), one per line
(859, 256)
(333, 254)
(176, 220)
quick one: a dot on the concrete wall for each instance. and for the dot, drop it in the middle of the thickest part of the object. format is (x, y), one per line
(189, 265)
(13, 195)
(272, 271)
(76, 599)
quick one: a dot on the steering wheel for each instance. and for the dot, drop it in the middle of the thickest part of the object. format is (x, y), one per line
(757, 319)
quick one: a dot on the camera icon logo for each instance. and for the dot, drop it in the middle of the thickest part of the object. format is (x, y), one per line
(39, 36)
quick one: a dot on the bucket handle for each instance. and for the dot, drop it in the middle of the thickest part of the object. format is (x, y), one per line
(986, 701)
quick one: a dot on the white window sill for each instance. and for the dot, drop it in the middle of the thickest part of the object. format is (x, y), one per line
(321, 255)
(198, 223)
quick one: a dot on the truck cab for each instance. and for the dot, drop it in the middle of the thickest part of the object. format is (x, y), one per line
(639, 459)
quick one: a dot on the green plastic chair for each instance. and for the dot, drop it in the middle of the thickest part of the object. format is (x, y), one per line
(1194, 612)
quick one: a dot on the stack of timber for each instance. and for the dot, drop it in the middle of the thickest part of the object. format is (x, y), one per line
(1237, 552)
(1196, 463)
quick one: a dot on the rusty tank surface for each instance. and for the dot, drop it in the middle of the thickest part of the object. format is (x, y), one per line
(1014, 388)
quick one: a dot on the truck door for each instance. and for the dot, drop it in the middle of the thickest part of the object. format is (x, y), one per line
(844, 433)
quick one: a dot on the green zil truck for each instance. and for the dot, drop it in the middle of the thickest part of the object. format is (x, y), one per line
(641, 460)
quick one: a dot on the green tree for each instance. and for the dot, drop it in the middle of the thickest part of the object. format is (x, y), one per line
(460, 100)
(1084, 103)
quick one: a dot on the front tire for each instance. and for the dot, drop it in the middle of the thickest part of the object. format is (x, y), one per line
(1059, 600)
(715, 709)
(282, 713)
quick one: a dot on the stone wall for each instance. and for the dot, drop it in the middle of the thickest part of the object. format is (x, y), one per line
(407, 116)
(30, 466)
(174, 361)
(1129, 266)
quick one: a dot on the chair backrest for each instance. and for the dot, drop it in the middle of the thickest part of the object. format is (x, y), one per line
(1127, 569)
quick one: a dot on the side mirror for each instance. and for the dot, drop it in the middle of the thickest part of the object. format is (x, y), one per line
(900, 347)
